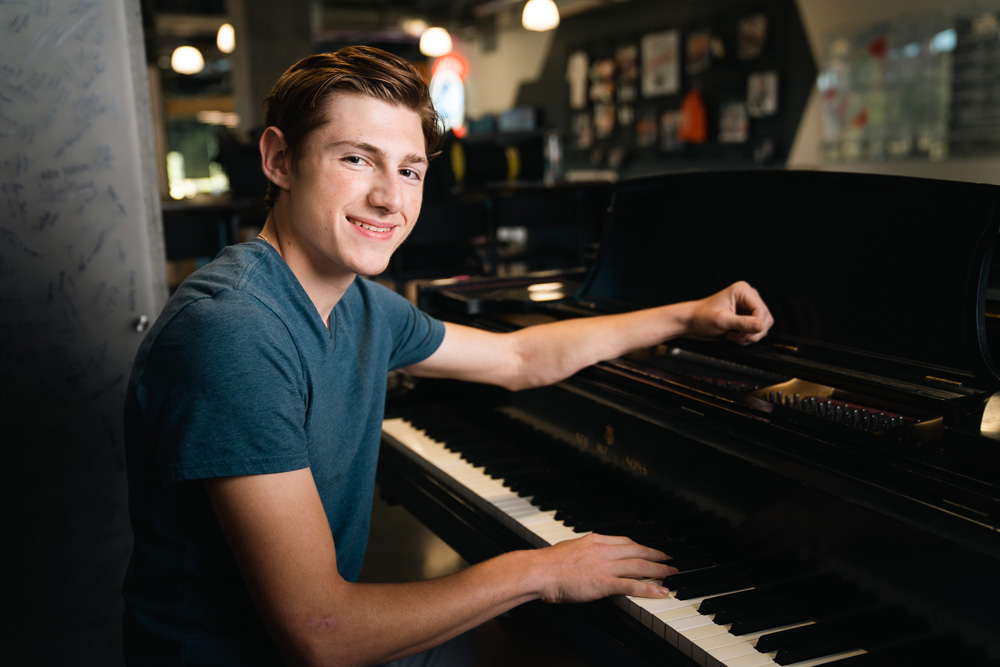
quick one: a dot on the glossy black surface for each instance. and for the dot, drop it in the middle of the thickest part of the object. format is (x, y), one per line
(837, 467)
(850, 264)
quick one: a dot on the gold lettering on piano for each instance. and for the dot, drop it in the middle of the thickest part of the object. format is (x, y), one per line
(636, 466)
(609, 435)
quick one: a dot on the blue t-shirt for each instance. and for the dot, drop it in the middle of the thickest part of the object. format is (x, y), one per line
(240, 376)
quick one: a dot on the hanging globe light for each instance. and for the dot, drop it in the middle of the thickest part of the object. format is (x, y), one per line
(187, 60)
(540, 15)
(435, 42)
(226, 38)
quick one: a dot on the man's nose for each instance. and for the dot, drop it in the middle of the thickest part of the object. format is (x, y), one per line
(387, 193)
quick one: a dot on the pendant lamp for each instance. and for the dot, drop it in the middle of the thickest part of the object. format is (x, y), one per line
(540, 15)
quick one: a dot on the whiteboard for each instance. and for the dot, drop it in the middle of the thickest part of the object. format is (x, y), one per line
(81, 261)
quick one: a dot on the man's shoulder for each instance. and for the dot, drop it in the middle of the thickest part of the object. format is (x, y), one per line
(234, 296)
(247, 267)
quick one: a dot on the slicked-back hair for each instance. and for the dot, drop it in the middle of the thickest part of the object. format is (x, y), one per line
(298, 102)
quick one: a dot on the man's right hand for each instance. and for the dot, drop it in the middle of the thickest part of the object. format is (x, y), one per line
(596, 566)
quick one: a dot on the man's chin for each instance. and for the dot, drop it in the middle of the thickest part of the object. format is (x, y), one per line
(373, 264)
(373, 270)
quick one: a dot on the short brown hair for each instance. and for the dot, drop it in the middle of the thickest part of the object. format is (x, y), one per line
(297, 103)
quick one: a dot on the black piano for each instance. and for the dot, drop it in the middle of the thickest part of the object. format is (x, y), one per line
(830, 495)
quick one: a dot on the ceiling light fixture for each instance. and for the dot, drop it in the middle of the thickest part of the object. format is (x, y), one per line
(414, 27)
(226, 38)
(540, 15)
(187, 60)
(435, 42)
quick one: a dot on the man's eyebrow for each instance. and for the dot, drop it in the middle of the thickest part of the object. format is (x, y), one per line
(371, 148)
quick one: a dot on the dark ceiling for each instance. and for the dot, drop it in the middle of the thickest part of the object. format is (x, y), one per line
(371, 14)
(172, 23)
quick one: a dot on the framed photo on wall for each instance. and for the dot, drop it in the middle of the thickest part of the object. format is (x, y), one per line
(762, 94)
(661, 63)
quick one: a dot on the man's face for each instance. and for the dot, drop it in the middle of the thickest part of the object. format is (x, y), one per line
(356, 189)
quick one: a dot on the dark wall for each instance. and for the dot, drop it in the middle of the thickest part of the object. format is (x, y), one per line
(601, 32)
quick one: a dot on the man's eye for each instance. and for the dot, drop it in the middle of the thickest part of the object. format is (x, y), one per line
(409, 173)
(353, 159)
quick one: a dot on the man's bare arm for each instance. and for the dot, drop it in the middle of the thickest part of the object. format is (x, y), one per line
(547, 353)
(278, 530)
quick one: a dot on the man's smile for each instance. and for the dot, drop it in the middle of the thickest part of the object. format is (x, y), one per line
(370, 227)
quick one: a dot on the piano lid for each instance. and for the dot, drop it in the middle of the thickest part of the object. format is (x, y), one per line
(866, 269)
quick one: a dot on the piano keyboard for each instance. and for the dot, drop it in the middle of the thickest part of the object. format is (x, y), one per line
(680, 622)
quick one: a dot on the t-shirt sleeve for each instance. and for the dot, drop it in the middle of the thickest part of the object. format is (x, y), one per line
(416, 334)
(223, 393)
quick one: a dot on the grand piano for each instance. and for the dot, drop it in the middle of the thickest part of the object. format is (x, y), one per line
(830, 495)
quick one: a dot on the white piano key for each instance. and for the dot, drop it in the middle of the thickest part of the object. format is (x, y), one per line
(709, 644)
(670, 615)
(767, 660)
(723, 653)
(753, 659)
(689, 622)
(698, 635)
(678, 620)
(683, 627)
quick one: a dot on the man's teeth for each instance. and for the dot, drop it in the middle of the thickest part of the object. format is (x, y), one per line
(365, 225)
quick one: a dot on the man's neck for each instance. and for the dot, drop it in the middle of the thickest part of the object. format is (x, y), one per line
(325, 291)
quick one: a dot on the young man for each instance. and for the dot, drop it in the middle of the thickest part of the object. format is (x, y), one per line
(254, 408)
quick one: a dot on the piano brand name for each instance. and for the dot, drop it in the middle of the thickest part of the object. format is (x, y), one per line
(586, 443)
(636, 465)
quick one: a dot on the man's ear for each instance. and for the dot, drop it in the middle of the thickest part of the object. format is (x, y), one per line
(274, 158)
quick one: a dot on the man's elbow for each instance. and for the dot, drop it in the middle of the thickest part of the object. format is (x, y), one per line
(526, 379)
(516, 384)
(323, 644)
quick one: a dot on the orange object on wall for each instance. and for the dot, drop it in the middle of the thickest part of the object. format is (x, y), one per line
(693, 125)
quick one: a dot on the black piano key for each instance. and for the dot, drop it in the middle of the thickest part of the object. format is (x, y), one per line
(861, 631)
(759, 620)
(706, 581)
(793, 590)
(713, 587)
(793, 638)
(749, 607)
(735, 574)
(590, 510)
(495, 462)
(678, 550)
(790, 602)
(723, 603)
(520, 469)
(873, 625)
(771, 604)
(698, 576)
(691, 563)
